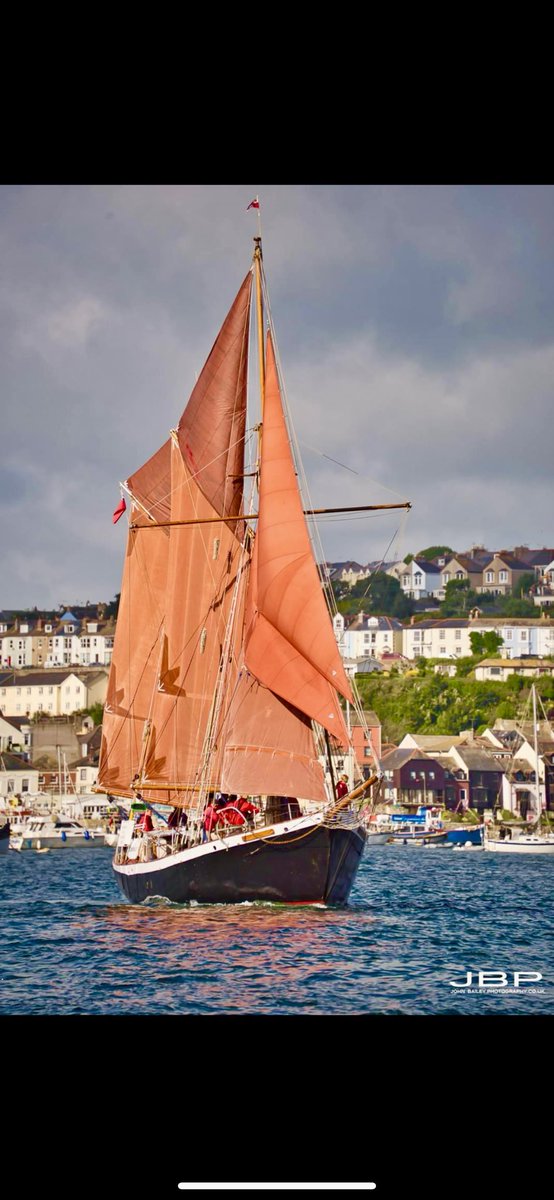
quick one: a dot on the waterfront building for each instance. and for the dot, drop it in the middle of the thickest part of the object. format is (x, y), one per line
(54, 693)
(473, 778)
(17, 777)
(412, 777)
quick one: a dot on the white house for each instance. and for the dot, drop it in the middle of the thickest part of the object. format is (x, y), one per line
(520, 635)
(502, 668)
(364, 636)
(54, 693)
(14, 736)
(86, 643)
(420, 578)
(17, 778)
(450, 637)
(446, 639)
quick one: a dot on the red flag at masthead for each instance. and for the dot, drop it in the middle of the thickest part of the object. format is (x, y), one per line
(254, 204)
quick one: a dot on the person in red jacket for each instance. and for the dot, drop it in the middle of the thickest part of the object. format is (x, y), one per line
(210, 817)
(246, 807)
(230, 814)
(145, 822)
(342, 787)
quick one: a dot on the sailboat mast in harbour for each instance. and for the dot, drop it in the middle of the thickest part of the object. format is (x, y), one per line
(226, 675)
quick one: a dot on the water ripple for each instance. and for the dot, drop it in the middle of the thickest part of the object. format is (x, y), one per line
(416, 921)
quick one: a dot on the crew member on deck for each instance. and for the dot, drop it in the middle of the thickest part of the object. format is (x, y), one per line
(145, 822)
(247, 808)
(342, 787)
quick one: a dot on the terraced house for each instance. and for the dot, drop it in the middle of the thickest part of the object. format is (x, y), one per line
(363, 635)
(54, 693)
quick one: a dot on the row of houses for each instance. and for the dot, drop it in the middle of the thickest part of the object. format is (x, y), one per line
(54, 641)
(497, 573)
(497, 769)
(362, 636)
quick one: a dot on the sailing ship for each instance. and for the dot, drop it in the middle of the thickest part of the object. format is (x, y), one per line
(226, 676)
(536, 840)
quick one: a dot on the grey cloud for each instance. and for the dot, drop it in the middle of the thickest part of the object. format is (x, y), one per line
(415, 332)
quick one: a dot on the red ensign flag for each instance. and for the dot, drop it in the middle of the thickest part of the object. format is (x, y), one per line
(254, 204)
(119, 510)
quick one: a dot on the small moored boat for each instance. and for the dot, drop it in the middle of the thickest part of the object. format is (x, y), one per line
(57, 833)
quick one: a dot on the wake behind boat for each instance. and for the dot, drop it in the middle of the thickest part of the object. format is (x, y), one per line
(226, 675)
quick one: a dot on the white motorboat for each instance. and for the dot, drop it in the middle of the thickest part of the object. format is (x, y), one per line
(57, 832)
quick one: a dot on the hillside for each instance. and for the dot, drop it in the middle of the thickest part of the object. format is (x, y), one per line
(429, 703)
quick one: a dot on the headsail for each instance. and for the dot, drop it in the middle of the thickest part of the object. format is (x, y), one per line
(290, 645)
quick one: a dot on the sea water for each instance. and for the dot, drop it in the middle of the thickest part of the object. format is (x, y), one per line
(420, 920)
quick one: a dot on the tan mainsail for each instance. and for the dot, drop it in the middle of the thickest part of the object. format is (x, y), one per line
(202, 566)
(177, 582)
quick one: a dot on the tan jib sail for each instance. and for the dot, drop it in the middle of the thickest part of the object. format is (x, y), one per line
(291, 666)
(290, 645)
(178, 584)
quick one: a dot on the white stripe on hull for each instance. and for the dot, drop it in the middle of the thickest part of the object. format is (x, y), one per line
(218, 844)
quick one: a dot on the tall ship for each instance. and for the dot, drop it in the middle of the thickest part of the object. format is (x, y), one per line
(223, 715)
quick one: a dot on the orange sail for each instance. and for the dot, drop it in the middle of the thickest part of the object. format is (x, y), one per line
(178, 583)
(203, 561)
(290, 645)
(269, 746)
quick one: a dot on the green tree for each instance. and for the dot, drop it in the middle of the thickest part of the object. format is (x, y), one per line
(524, 583)
(96, 711)
(434, 551)
(513, 607)
(458, 599)
(485, 643)
(380, 593)
(112, 608)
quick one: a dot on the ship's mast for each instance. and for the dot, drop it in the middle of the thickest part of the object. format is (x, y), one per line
(259, 313)
(537, 783)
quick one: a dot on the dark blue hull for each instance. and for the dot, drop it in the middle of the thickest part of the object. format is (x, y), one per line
(313, 865)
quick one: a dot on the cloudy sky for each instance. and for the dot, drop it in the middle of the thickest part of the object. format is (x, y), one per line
(415, 327)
